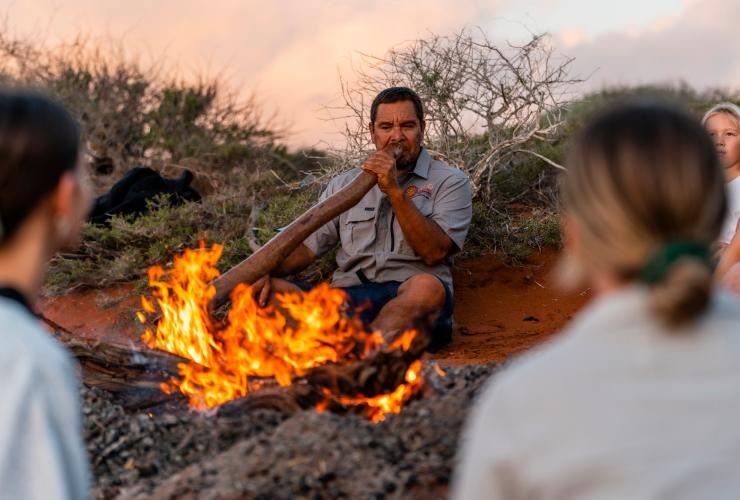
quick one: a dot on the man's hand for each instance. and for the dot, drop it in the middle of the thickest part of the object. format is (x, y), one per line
(261, 290)
(383, 164)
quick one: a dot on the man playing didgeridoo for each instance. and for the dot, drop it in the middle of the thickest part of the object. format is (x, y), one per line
(396, 244)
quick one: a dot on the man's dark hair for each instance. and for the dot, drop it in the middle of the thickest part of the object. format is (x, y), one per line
(39, 142)
(396, 94)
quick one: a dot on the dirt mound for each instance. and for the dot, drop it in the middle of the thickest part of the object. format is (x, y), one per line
(265, 454)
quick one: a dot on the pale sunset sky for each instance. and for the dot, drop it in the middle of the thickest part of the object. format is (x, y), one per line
(289, 52)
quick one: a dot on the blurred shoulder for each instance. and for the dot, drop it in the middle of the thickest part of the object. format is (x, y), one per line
(26, 347)
(539, 371)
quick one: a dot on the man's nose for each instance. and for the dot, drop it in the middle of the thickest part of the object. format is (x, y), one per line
(396, 134)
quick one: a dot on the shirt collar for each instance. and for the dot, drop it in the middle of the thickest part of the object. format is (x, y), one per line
(16, 296)
(423, 162)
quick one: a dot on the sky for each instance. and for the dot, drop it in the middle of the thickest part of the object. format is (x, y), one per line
(289, 53)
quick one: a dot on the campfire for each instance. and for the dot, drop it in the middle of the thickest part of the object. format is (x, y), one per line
(310, 338)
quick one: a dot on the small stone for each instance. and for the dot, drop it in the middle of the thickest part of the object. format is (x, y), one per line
(389, 486)
(327, 477)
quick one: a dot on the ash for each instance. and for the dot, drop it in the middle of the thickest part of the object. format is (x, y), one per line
(264, 454)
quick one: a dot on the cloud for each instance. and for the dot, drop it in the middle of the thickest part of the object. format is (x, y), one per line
(288, 51)
(700, 46)
(571, 38)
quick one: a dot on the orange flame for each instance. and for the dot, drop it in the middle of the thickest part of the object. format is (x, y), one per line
(379, 406)
(304, 331)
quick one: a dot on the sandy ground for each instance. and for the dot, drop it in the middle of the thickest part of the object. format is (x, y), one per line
(500, 310)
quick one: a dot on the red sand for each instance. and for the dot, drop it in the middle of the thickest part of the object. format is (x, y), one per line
(107, 314)
(503, 310)
(500, 310)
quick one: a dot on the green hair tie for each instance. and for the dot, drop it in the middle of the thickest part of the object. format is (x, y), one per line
(657, 267)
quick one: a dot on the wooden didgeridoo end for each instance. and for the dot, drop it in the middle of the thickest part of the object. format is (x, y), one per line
(275, 251)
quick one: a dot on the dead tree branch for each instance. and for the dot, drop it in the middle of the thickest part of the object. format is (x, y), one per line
(485, 103)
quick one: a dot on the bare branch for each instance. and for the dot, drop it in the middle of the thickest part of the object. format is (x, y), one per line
(484, 102)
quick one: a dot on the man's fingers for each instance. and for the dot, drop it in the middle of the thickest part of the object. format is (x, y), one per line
(265, 293)
(378, 165)
(389, 152)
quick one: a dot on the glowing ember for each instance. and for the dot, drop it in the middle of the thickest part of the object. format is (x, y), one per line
(379, 406)
(304, 331)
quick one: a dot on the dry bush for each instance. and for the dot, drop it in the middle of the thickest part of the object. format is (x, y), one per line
(135, 114)
(486, 104)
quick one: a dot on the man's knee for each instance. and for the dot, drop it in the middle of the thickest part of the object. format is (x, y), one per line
(425, 290)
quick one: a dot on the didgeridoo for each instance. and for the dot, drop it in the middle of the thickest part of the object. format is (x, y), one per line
(272, 253)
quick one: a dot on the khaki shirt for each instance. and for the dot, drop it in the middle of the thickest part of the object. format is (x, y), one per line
(372, 242)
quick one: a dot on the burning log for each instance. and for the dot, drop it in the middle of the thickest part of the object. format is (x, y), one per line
(134, 375)
(378, 374)
(358, 383)
(275, 251)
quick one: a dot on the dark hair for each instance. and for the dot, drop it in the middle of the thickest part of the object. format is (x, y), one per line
(643, 179)
(39, 142)
(396, 94)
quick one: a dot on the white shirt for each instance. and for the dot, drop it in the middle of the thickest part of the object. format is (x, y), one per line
(41, 450)
(733, 211)
(616, 408)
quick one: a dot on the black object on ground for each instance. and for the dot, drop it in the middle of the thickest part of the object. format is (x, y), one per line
(129, 196)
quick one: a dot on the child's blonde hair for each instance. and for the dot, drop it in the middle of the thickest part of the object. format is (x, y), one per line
(727, 108)
(643, 181)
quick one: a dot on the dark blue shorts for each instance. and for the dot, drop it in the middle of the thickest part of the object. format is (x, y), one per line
(367, 299)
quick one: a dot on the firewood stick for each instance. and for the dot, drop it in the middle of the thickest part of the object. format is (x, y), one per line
(275, 251)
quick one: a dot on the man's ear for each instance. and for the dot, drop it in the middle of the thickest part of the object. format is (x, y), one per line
(371, 129)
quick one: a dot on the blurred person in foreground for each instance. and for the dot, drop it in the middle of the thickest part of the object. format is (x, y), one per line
(44, 198)
(722, 122)
(639, 398)
(396, 245)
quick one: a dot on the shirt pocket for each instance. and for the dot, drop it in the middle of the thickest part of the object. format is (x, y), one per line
(358, 233)
(424, 205)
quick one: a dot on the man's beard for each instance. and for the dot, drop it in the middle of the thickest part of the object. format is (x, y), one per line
(408, 165)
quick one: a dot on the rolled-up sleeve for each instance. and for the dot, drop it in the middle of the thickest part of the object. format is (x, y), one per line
(453, 208)
(324, 238)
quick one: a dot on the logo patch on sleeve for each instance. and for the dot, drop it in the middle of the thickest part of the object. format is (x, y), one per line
(411, 191)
